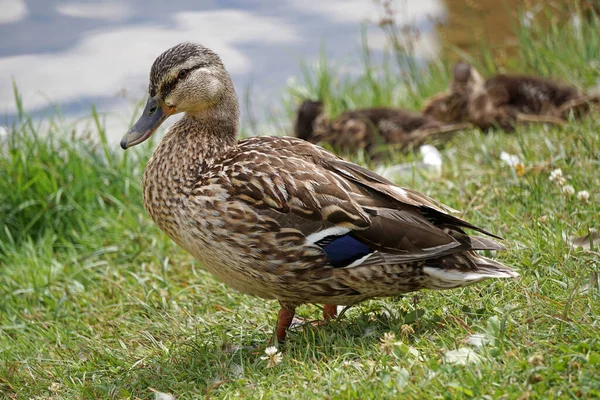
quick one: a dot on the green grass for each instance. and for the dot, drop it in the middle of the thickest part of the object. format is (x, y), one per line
(97, 303)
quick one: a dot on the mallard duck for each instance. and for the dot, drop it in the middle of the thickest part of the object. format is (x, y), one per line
(504, 100)
(366, 128)
(284, 219)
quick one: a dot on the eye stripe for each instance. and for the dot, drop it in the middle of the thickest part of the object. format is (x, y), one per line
(168, 87)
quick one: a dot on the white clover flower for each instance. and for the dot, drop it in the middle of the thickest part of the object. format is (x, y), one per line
(557, 177)
(406, 331)
(536, 360)
(583, 196)
(555, 174)
(54, 387)
(273, 357)
(568, 190)
(510, 159)
(388, 342)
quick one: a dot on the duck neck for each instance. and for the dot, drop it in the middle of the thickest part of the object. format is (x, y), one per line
(191, 146)
(204, 136)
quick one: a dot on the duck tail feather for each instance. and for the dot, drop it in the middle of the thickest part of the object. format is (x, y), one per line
(449, 278)
(483, 243)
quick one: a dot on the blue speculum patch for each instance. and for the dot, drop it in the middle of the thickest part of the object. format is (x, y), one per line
(344, 250)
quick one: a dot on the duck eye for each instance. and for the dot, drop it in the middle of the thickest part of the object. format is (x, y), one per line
(182, 74)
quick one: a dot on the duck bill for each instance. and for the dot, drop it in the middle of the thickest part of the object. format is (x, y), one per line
(155, 113)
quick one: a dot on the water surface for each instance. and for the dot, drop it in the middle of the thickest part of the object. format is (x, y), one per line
(72, 54)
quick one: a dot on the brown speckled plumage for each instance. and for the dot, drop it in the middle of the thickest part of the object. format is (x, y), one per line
(504, 100)
(264, 214)
(368, 128)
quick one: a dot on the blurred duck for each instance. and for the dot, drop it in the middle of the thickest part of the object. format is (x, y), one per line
(368, 128)
(505, 100)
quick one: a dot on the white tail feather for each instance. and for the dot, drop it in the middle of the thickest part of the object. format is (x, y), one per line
(440, 278)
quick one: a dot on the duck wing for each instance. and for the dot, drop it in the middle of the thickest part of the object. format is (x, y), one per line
(348, 211)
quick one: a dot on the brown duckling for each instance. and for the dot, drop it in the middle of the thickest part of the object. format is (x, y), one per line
(364, 129)
(504, 100)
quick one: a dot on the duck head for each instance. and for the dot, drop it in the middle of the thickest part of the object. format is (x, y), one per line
(446, 107)
(308, 112)
(466, 79)
(452, 106)
(186, 78)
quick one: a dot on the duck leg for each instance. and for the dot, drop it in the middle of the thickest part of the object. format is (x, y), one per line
(545, 119)
(329, 312)
(284, 320)
(420, 136)
(579, 106)
(286, 316)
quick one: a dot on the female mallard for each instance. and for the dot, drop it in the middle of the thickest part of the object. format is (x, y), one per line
(504, 100)
(366, 128)
(281, 218)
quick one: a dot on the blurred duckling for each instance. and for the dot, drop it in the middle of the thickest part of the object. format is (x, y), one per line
(367, 128)
(505, 100)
